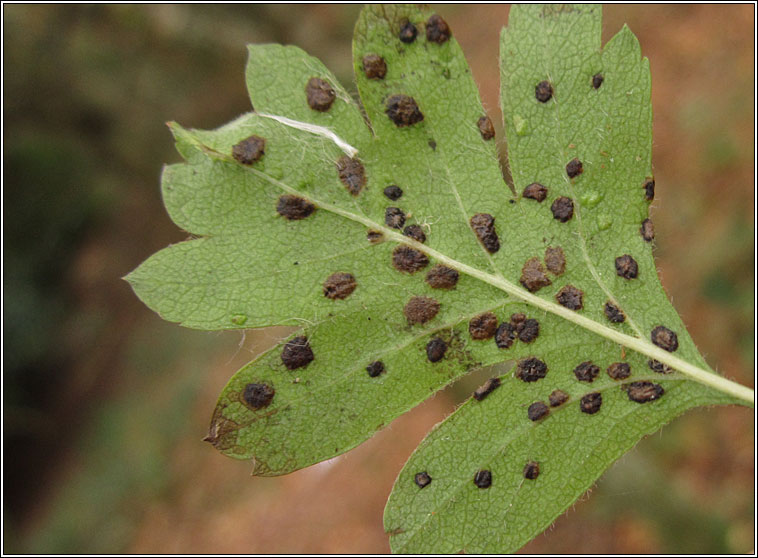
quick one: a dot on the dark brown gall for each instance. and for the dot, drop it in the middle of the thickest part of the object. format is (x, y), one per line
(374, 237)
(531, 470)
(597, 80)
(415, 232)
(658, 367)
(626, 267)
(352, 174)
(403, 111)
(485, 389)
(408, 260)
(297, 353)
(531, 370)
(586, 372)
(574, 168)
(339, 286)
(375, 368)
(558, 398)
(543, 91)
(420, 309)
(619, 371)
(393, 192)
(570, 297)
(664, 338)
(529, 330)
(483, 479)
(642, 392)
(486, 128)
(591, 403)
(505, 335)
(249, 150)
(647, 231)
(437, 30)
(613, 313)
(407, 32)
(537, 411)
(535, 191)
(483, 225)
(563, 209)
(294, 208)
(422, 479)
(435, 349)
(374, 66)
(482, 326)
(555, 260)
(258, 396)
(394, 217)
(441, 277)
(649, 187)
(320, 94)
(533, 276)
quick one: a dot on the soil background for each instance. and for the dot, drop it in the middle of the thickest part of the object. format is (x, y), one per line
(105, 404)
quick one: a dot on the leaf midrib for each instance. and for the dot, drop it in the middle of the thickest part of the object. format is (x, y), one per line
(638, 345)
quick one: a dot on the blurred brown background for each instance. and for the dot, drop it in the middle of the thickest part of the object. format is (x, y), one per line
(105, 404)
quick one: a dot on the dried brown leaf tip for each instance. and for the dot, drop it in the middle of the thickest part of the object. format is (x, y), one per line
(437, 30)
(319, 94)
(258, 396)
(543, 91)
(483, 225)
(533, 276)
(249, 150)
(297, 353)
(339, 286)
(403, 111)
(486, 128)
(485, 389)
(294, 208)
(482, 326)
(351, 173)
(420, 309)
(374, 66)
(442, 277)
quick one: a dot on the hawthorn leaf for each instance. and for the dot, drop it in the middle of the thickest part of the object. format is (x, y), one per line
(405, 259)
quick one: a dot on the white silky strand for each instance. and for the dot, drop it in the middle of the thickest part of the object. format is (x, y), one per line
(349, 150)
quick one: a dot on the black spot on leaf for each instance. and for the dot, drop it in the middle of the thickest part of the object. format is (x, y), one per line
(374, 237)
(558, 398)
(485, 389)
(533, 276)
(586, 372)
(394, 217)
(393, 192)
(339, 286)
(531, 470)
(626, 267)
(483, 479)
(591, 402)
(420, 309)
(432, 144)
(408, 260)
(535, 191)
(258, 396)
(483, 225)
(537, 411)
(403, 111)
(530, 369)
(249, 150)
(543, 91)
(422, 479)
(597, 80)
(649, 187)
(658, 367)
(486, 128)
(482, 326)
(297, 353)
(570, 297)
(374, 66)
(563, 209)
(555, 260)
(435, 349)
(294, 208)
(437, 30)
(613, 313)
(529, 330)
(352, 174)
(415, 232)
(619, 371)
(647, 230)
(505, 335)
(407, 32)
(442, 277)
(320, 94)
(375, 368)
(574, 168)
(642, 392)
(664, 338)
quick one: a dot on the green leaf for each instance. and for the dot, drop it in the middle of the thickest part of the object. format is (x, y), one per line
(302, 234)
